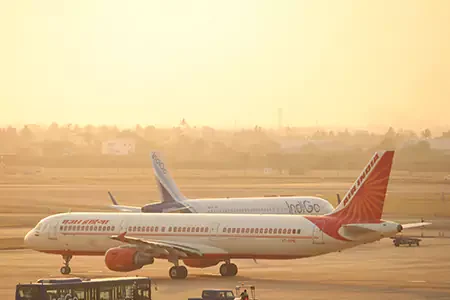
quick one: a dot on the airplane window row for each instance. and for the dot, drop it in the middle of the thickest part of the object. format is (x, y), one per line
(205, 229)
(249, 210)
(262, 230)
(86, 228)
(145, 229)
(169, 229)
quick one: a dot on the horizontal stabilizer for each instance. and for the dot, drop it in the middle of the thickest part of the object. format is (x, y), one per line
(415, 225)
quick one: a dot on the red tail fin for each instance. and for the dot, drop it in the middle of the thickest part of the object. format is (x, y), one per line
(365, 200)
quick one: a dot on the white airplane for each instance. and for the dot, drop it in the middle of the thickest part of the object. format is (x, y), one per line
(130, 241)
(174, 201)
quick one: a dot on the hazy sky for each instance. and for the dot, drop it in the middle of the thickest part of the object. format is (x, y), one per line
(346, 63)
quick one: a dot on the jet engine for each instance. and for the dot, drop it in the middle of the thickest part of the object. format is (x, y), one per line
(126, 259)
(200, 263)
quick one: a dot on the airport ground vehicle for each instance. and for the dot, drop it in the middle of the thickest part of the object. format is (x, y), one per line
(405, 240)
(216, 295)
(121, 288)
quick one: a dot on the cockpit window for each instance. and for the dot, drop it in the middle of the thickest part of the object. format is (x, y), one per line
(38, 226)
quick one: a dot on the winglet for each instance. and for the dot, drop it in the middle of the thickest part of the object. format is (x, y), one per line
(112, 198)
(121, 237)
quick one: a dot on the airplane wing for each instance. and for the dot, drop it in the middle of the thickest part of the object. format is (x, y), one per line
(178, 209)
(126, 208)
(167, 248)
(122, 207)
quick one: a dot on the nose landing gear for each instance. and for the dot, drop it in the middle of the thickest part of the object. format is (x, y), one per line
(65, 270)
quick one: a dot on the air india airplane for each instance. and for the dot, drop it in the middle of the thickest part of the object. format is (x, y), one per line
(129, 241)
(174, 201)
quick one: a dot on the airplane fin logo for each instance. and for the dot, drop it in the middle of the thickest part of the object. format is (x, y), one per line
(365, 200)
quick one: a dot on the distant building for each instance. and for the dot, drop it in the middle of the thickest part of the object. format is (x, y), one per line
(119, 147)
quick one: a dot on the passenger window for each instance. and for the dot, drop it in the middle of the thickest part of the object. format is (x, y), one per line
(270, 230)
(298, 231)
(289, 231)
(224, 229)
(261, 230)
(197, 229)
(247, 230)
(151, 229)
(234, 230)
(284, 231)
(279, 231)
(238, 230)
(112, 228)
(156, 229)
(265, 230)
(134, 228)
(95, 228)
(61, 228)
(108, 228)
(189, 229)
(170, 229)
(251, 230)
(206, 229)
(163, 229)
(184, 229)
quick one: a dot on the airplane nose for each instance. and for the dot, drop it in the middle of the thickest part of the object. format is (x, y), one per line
(28, 239)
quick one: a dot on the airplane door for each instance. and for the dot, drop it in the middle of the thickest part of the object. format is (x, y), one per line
(123, 227)
(215, 232)
(53, 231)
(317, 234)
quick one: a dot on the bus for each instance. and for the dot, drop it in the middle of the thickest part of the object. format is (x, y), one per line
(122, 288)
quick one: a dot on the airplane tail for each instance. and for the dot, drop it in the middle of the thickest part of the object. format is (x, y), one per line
(167, 188)
(364, 201)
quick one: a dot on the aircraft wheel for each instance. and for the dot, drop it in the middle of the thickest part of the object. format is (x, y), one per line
(178, 272)
(65, 270)
(233, 270)
(228, 270)
(182, 272)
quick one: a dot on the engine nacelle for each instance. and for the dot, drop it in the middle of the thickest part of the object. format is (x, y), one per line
(126, 259)
(200, 263)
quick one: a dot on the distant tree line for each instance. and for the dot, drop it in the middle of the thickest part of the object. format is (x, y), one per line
(72, 145)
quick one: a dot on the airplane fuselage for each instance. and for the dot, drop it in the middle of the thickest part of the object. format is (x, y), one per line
(218, 236)
(254, 205)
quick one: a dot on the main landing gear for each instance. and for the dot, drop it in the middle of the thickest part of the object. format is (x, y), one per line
(177, 271)
(228, 269)
(180, 272)
(65, 270)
